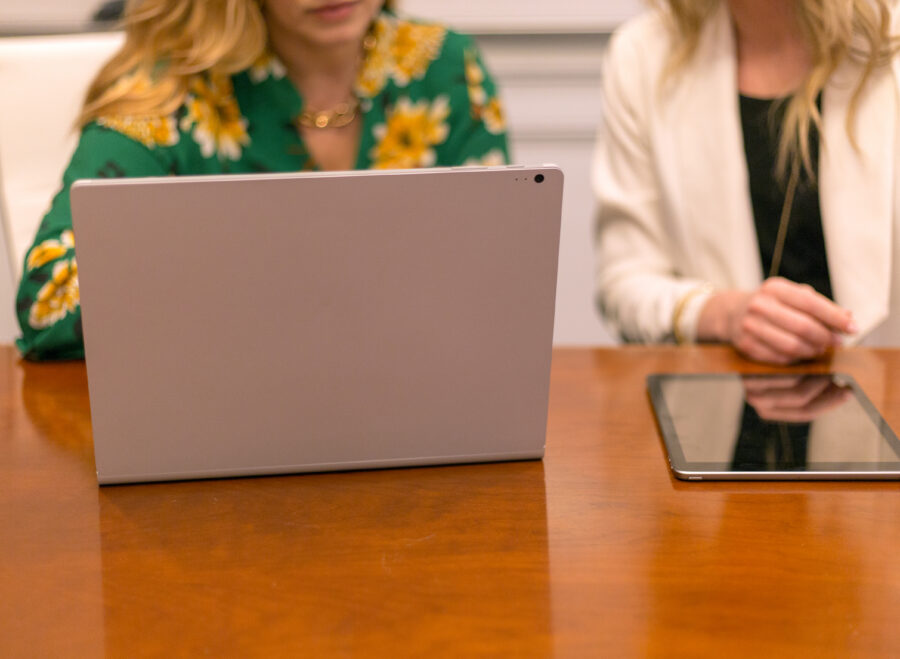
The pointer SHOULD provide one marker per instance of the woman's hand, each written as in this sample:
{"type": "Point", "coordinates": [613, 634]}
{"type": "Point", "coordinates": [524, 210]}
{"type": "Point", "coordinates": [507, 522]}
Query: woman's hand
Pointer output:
{"type": "Point", "coordinates": [780, 322]}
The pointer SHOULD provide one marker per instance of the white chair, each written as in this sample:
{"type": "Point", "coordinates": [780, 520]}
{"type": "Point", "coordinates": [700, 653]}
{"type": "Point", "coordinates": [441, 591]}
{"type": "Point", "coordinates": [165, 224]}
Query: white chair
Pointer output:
{"type": "Point", "coordinates": [8, 328]}
{"type": "Point", "coordinates": [44, 80]}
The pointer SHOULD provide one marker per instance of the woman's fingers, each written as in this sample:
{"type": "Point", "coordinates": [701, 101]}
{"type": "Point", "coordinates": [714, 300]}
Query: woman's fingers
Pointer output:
{"type": "Point", "coordinates": [816, 306]}
{"type": "Point", "coordinates": [779, 323]}
{"type": "Point", "coordinates": [809, 330]}
{"type": "Point", "coordinates": [783, 322]}
{"type": "Point", "coordinates": [770, 329]}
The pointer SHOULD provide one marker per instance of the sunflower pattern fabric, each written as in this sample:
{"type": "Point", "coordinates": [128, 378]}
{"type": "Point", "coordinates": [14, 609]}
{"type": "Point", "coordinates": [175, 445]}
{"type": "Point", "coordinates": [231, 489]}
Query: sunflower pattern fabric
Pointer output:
{"type": "Point", "coordinates": [425, 98]}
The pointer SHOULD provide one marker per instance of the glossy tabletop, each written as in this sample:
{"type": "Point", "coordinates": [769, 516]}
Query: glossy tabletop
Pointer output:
{"type": "Point", "coordinates": [596, 551]}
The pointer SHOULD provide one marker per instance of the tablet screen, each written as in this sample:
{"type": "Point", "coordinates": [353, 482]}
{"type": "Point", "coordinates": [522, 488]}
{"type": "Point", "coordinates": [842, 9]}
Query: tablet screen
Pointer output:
{"type": "Point", "coordinates": [767, 426]}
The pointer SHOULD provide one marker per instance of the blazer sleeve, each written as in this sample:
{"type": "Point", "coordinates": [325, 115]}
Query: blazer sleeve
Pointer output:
{"type": "Point", "coordinates": [638, 286]}
{"type": "Point", "coordinates": [48, 303]}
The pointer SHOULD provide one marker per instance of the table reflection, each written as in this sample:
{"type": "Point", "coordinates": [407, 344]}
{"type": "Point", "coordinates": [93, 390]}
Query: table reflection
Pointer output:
{"type": "Point", "coordinates": [361, 562]}
{"type": "Point", "coordinates": [56, 402]}
{"type": "Point", "coordinates": [770, 566]}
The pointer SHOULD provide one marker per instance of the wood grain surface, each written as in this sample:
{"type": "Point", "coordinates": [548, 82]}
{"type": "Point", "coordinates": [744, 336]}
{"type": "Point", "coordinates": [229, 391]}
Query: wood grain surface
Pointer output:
{"type": "Point", "coordinates": [596, 551]}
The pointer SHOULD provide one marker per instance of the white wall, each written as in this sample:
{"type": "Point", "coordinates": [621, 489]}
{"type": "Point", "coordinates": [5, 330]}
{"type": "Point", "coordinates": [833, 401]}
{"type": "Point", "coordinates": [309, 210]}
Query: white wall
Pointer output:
{"type": "Point", "coordinates": [526, 16]}
{"type": "Point", "coordinates": [476, 16]}
{"type": "Point", "coordinates": [49, 15]}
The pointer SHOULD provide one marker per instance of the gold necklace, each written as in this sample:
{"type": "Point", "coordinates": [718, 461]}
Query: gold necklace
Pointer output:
{"type": "Point", "coordinates": [339, 116]}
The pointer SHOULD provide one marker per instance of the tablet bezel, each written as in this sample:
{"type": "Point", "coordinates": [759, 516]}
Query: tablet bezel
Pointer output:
{"type": "Point", "coordinates": [695, 471]}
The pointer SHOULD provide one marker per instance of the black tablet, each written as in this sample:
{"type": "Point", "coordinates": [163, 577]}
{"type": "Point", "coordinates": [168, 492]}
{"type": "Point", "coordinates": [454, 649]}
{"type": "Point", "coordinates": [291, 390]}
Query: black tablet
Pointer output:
{"type": "Point", "coordinates": [772, 427]}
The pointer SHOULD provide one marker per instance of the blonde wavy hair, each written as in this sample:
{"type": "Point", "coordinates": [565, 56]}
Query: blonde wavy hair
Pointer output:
{"type": "Point", "coordinates": [167, 42]}
{"type": "Point", "coordinates": [834, 31]}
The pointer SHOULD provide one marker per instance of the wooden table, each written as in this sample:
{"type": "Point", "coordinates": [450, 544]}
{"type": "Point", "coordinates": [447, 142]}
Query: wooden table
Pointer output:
{"type": "Point", "coordinates": [595, 552]}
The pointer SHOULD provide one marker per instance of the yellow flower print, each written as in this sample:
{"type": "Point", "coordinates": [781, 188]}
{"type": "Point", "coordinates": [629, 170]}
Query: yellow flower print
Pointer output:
{"type": "Point", "coordinates": [475, 80]}
{"type": "Point", "coordinates": [415, 47]}
{"type": "Point", "coordinates": [57, 297]}
{"type": "Point", "coordinates": [406, 139]}
{"type": "Point", "coordinates": [267, 66]}
{"type": "Point", "coordinates": [151, 131]}
{"type": "Point", "coordinates": [493, 158]}
{"type": "Point", "coordinates": [403, 52]}
{"type": "Point", "coordinates": [493, 117]}
{"type": "Point", "coordinates": [215, 117]}
{"type": "Point", "coordinates": [488, 111]}
{"type": "Point", "coordinates": [50, 250]}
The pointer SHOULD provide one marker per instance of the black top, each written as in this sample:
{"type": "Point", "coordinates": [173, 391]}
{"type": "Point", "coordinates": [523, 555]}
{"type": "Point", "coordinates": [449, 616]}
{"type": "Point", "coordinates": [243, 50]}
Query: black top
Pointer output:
{"type": "Point", "coordinates": [803, 258]}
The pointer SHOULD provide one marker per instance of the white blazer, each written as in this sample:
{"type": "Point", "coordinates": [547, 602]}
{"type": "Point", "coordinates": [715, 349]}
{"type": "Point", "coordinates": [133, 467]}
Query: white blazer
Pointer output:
{"type": "Point", "coordinates": [671, 181]}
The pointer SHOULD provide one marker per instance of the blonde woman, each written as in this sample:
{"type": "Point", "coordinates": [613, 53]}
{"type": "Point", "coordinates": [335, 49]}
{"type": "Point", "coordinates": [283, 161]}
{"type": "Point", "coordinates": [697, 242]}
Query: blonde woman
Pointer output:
{"type": "Point", "coordinates": [220, 86]}
{"type": "Point", "coordinates": [748, 176]}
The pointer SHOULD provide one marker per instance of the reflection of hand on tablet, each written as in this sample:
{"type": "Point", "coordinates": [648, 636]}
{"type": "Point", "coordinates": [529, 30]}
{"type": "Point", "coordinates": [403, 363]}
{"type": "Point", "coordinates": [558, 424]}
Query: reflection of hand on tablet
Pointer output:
{"type": "Point", "coordinates": [794, 399]}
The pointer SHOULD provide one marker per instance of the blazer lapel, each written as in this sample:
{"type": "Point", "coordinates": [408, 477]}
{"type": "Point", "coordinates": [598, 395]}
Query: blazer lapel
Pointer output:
{"type": "Point", "coordinates": [856, 192]}
{"type": "Point", "coordinates": [706, 166]}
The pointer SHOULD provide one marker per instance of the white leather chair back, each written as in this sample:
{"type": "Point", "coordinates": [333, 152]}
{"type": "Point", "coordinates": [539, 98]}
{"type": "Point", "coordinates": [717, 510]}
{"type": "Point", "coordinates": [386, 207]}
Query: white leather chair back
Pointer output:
{"type": "Point", "coordinates": [8, 328]}
{"type": "Point", "coordinates": [43, 81]}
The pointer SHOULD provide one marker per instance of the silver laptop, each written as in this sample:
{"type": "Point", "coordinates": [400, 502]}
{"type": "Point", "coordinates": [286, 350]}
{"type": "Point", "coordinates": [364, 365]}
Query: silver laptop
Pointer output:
{"type": "Point", "coordinates": [261, 324]}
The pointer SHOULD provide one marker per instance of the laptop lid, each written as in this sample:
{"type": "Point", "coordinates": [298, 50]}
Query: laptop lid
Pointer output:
{"type": "Point", "coordinates": [259, 324]}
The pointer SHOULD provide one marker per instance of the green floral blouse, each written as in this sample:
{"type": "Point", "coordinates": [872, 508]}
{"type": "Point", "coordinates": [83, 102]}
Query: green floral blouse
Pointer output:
{"type": "Point", "coordinates": [425, 98]}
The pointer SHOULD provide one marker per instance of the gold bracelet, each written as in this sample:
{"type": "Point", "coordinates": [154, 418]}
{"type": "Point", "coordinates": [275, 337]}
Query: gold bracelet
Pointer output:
{"type": "Point", "coordinates": [681, 305]}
